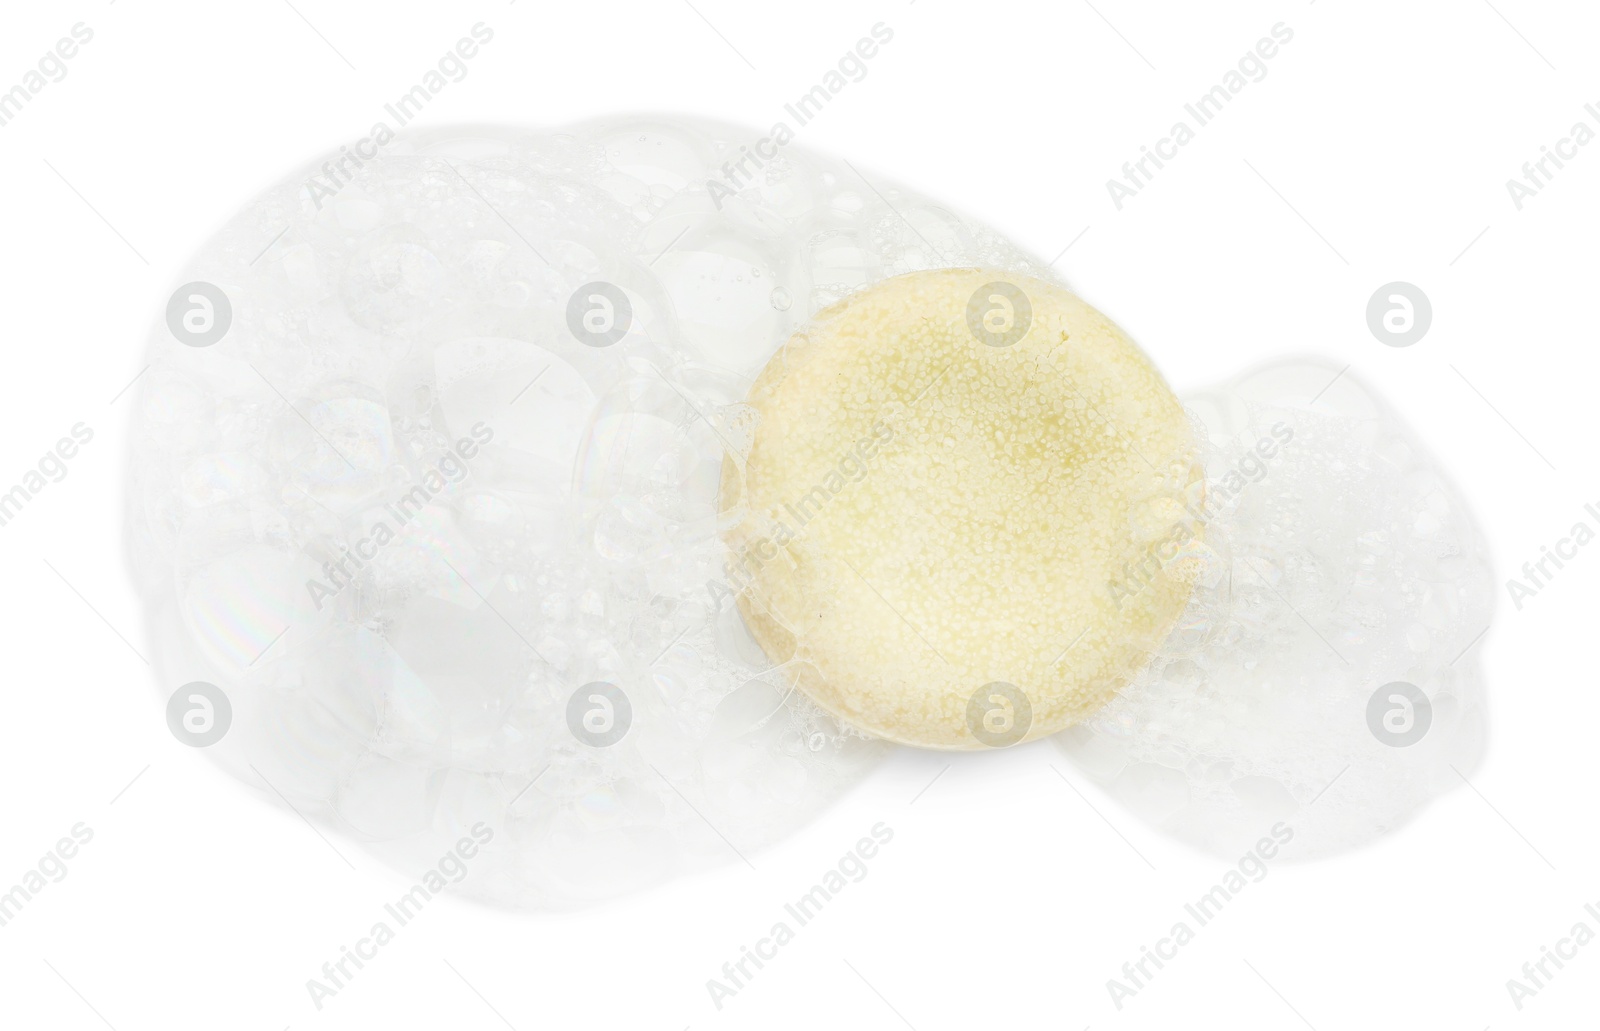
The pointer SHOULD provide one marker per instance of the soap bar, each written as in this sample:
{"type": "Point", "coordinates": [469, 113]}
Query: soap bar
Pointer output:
{"type": "Point", "coordinates": [962, 517]}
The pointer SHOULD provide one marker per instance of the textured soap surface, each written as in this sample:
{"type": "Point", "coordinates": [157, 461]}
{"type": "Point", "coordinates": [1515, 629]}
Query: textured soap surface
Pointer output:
{"type": "Point", "coordinates": [1325, 674]}
{"type": "Point", "coordinates": [948, 470]}
{"type": "Point", "coordinates": [456, 459]}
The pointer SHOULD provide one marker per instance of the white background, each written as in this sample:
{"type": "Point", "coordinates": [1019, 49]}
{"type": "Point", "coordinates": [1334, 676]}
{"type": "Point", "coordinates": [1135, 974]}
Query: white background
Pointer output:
{"type": "Point", "coordinates": [1005, 900]}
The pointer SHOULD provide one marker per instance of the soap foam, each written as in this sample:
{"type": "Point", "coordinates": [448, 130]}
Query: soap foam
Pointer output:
{"type": "Point", "coordinates": [1341, 564]}
{"type": "Point", "coordinates": [518, 514]}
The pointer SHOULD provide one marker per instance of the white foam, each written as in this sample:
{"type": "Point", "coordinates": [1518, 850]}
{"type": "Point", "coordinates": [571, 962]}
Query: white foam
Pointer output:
{"type": "Point", "coordinates": [1341, 561]}
{"type": "Point", "coordinates": [429, 297]}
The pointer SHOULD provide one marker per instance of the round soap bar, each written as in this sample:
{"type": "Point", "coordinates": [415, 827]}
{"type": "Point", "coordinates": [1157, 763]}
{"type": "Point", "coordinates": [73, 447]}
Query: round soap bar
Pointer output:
{"type": "Point", "coordinates": [963, 515]}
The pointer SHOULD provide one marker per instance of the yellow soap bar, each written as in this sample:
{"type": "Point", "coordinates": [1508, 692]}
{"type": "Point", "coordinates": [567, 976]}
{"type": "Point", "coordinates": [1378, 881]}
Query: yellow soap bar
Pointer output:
{"type": "Point", "coordinates": [957, 520]}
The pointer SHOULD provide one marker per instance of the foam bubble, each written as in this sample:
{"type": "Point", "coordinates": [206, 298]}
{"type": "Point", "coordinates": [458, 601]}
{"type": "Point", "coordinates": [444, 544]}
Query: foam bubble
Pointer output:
{"type": "Point", "coordinates": [1325, 679]}
{"type": "Point", "coordinates": [455, 462]}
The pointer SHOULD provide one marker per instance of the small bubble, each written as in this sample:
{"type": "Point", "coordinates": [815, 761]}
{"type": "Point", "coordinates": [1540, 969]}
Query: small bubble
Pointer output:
{"type": "Point", "coordinates": [781, 299]}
